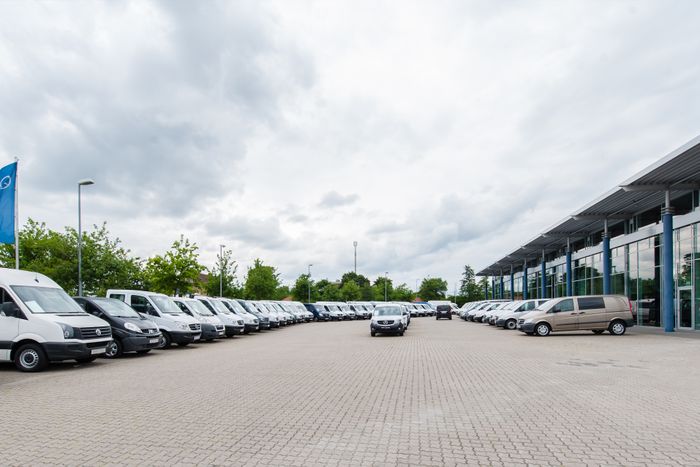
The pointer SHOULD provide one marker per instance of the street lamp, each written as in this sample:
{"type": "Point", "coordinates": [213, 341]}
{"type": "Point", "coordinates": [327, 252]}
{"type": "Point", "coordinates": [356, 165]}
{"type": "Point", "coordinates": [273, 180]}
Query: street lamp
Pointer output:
{"type": "Point", "coordinates": [308, 282]}
{"type": "Point", "coordinates": [221, 270]}
{"type": "Point", "coordinates": [355, 245]}
{"type": "Point", "coordinates": [81, 183]}
{"type": "Point", "coordinates": [386, 279]}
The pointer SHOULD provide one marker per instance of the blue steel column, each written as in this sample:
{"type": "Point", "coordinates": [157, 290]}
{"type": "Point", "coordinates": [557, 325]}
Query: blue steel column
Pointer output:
{"type": "Point", "coordinates": [486, 289]}
{"type": "Point", "coordinates": [493, 288]}
{"type": "Point", "coordinates": [502, 288]}
{"type": "Point", "coordinates": [525, 280]}
{"type": "Point", "coordinates": [543, 278]}
{"type": "Point", "coordinates": [569, 278]}
{"type": "Point", "coordinates": [606, 260]}
{"type": "Point", "coordinates": [667, 266]}
{"type": "Point", "coordinates": [512, 283]}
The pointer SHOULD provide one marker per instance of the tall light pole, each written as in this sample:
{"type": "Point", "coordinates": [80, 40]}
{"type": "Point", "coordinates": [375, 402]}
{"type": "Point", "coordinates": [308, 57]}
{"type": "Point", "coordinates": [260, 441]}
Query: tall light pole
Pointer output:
{"type": "Point", "coordinates": [221, 270]}
{"type": "Point", "coordinates": [81, 183]}
{"type": "Point", "coordinates": [308, 282]}
{"type": "Point", "coordinates": [386, 279]}
{"type": "Point", "coordinates": [355, 245]}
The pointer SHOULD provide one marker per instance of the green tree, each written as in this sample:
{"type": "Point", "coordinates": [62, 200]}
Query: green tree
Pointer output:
{"type": "Point", "coordinates": [300, 291]}
{"type": "Point", "coordinates": [229, 267]}
{"type": "Point", "coordinates": [282, 292]}
{"type": "Point", "coordinates": [328, 291]}
{"type": "Point", "coordinates": [403, 294]}
{"type": "Point", "coordinates": [106, 264]}
{"type": "Point", "coordinates": [177, 271]}
{"type": "Point", "coordinates": [358, 279]}
{"type": "Point", "coordinates": [350, 291]}
{"type": "Point", "coordinates": [469, 289]}
{"type": "Point", "coordinates": [379, 289]}
{"type": "Point", "coordinates": [261, 282]}
{"type": "Point", "coordinates": [433, 288]}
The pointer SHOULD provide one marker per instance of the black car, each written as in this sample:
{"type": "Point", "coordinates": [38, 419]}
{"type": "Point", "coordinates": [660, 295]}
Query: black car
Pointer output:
{"type": "Point", "coordinates": [443, 311]}
{"type": "Point", "coordinates": [320, 313]}
{"type": "Point", "coordinates": [131, 332]}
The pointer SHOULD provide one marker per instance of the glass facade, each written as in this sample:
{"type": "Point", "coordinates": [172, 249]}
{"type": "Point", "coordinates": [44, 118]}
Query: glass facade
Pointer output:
{"type": "Point", "coordinates": [635, 271]}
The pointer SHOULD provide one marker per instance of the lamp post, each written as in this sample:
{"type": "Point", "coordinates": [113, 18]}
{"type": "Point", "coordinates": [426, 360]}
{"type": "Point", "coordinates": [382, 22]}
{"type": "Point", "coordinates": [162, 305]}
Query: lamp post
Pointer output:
{"type": "Point", "coordinates": [81, 183]}
{"type": "Point", "coordinates": [386, 279]}
{"type": "Point", "coordinates": [355, 245]}
{"type": "Point", "coordinates": [308, 282]}
{"type": "Point", "coordinates": [221, 270]}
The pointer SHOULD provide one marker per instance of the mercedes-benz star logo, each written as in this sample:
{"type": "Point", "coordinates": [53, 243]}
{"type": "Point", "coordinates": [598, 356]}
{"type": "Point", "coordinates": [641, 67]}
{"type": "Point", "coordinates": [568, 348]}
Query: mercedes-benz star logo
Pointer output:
{"type": "Point", "coordinates": [98, 332]}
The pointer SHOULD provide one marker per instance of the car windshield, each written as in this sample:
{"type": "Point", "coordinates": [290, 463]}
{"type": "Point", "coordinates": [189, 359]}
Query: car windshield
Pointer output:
{"type": "Point", "coordinates": [237, 307]}
{"type": "Point", "coordinates": [220, 307]}
{"type": "Point", "coordinates": [199, 308]}
{"type": "Point", "coordinates": [166, 305]}
{"type": "Point", "coordinates": [46, 299]}
{"type": "Point", "coordinates": [387, 311]}
{"type": "Point", "coordinates": [116, 308]}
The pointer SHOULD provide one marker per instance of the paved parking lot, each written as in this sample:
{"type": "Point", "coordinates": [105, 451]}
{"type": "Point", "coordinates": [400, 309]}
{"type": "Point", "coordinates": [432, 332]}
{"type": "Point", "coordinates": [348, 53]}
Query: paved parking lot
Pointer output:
{"type": "Point", "coordinates": [447, 393]}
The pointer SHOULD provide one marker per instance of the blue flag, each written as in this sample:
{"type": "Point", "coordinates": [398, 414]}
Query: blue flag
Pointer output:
{"type": "Point", "coordinates": [8, 178]}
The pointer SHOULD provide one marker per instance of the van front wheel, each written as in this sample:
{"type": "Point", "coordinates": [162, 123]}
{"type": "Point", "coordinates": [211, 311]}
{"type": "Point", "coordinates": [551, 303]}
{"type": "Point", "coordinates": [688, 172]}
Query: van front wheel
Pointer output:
{"type": "Point", "coordinates": [30, 358]}
{"type": "Point", "coordinates": [543, 329]}
{"type": "Point", "coordinates": [165, 340]}
{"type": "Point", "coordinates": [617, 328]}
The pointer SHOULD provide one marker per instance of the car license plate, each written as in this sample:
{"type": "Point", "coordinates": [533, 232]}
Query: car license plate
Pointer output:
{"type": "Point", "coordinates": [152, 341]}
{"type": "Point", "coordinates": [97, 351]}
{"type": "Point", "coordinates": [386, 327]}
{"type": "Point", "coordinates": [197, 337]}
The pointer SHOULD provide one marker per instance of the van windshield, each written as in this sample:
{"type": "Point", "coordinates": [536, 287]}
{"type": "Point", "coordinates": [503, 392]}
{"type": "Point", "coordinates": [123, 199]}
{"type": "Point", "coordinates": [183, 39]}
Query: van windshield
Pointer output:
{"type": "Point", "coordinates": [199, 308]}
{"type": "Point", "coordinates": [387, 311]}
{"type": "Point", "coordinates": [116, 308]}
{"type": "Point", "coordinates": [166, 305]}
{"type": "Point", "coordinates": [237, 307]}
{"type": "Point", "coordinates": [46, 300]}
{"type": "Point", "coordinates": [220, 307]}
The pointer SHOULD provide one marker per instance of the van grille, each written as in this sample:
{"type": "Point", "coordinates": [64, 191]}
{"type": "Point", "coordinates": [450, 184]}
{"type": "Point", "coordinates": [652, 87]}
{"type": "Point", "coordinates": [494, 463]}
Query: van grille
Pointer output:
{"type": "Point", "coordinates": [240, 322]}
{"type": "Point", "coordinates": [196, 327]}
{"type": "Point", "coordinates": [521, 321]}
{"type": "Point", "coordinates": [219, 327]}
{"type": "Point", "coordinates": [385, 322]}
{"type": "Point", "coordinates": [99, 332]}
{"type": "Point", "coordinates": [150, 331]}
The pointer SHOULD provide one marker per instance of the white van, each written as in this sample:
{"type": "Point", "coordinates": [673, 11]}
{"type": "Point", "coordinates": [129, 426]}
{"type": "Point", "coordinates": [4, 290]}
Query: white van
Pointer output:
{"type": "Point", "coordinates": [40, 323]}
{"type": "Point", "coordinates": [174, 325]}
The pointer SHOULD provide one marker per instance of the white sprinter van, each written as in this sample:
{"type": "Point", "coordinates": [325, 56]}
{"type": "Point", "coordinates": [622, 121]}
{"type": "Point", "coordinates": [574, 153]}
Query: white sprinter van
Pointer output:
{"type": "Point", "coordinates": [174, 325]}
{"type": "Point", "coordinates": [40, 323]}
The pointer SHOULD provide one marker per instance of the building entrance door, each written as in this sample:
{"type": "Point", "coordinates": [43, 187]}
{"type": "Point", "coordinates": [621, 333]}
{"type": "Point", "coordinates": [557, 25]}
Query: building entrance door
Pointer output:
{"type": "Point", "coordinates": [684, 312]}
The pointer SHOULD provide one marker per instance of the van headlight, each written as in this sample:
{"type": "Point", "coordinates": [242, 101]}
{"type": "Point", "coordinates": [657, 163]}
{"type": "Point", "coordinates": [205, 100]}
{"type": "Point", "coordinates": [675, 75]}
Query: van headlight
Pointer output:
{"type": "Point", "coordinates": [132, 327]}
{"type": "Point", "coordinates": [528, 321]}
{"type": "Point", "coordinates": [68, 331]}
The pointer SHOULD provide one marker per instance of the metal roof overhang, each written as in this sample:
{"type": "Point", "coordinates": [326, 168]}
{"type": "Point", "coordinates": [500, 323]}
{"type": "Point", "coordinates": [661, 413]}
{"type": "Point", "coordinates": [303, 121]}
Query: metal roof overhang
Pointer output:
{"type": "Point", "coordinates": [679, 172]}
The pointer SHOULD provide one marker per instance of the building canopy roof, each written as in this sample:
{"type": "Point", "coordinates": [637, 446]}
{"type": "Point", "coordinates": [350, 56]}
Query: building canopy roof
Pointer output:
{"type": "Point", "coordinates": [678, 172]}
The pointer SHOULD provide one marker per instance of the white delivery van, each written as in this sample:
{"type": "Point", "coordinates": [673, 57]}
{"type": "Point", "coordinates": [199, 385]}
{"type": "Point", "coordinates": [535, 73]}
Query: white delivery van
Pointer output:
{"type": "Point", "coordinates": [174, 325]}
{"type": "Point", "coordinates": [40, 323]}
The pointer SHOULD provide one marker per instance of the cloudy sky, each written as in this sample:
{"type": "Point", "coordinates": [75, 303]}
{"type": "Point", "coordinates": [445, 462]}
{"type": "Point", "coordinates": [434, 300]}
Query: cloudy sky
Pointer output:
{"type": "Point", "coordinates": [435, 134]}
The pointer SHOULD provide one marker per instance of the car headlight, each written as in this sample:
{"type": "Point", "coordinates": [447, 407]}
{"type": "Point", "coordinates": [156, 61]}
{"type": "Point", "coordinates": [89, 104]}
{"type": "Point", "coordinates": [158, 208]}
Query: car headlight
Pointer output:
{"type": "Point", "coordinates": [132, 327]}
{"type": "Point", "coordinates": [68, 331]}
{"type": "Point", "coordinates": [184, 326]}
{"type": "Point", "coordinates": [528, 321]}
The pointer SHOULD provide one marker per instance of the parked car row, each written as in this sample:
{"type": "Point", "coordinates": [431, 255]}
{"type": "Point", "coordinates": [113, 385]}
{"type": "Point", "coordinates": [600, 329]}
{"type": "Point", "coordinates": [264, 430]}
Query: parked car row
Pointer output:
{"type": "Point", "coordinates": [338, 311]}
{"type": "Point", "coordinates": [596, 313]}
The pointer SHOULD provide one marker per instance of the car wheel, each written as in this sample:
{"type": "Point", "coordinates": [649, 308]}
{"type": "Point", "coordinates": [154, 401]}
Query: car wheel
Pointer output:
{"type": "Point", "coordinates": [617, 328]}
{"type": "Point", "coordinates": [142, 352]}
{"type": "Point", "coordinates": [543, 329]}
{"type": "Point", "coordinates": [450, 318]}
{"type": "Point", "coordinates": [373, 333]}
{"type": "Point", "coordinates": [511, 324]}
{"type": "Point", "coordinates": [30, 358]}
{"type": "Point", "coordinates": [165, 340]}
{"type": "Point", "coordinates": [114, 349]}
{"type": "Point", "coordinates": [436, 318]}
{"type": "Point", "coordinates": [597, 331]}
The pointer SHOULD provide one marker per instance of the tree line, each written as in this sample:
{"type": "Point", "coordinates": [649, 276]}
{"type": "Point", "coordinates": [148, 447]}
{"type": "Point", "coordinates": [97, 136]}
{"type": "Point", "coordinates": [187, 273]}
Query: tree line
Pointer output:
{"type": "Point", "coordinates": [108, 264]}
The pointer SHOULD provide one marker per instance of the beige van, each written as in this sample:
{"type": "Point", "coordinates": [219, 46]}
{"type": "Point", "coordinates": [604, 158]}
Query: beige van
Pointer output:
{"type": "Point", "coordinates": [596, 313]}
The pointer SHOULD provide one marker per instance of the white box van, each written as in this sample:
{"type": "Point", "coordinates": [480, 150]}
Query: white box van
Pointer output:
{"type": "Point", "coordinates": [40, 323]}
{"type": "Point", "coordinates": [174, 325]}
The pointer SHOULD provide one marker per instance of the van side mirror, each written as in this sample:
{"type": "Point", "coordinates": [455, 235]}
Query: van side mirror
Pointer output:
{"type": "Point", "coordinates": [10, 309]}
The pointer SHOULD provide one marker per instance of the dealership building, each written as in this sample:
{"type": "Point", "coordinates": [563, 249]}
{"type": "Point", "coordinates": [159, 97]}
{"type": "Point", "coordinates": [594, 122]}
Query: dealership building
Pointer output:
{"type": "Point", "coordinates": [640, 239]}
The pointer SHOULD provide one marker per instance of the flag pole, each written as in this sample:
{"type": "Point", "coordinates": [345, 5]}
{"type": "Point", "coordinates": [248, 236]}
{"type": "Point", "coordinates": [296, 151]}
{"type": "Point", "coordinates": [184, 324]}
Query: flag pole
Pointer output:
{"type": "Point", "coordinates": [16, 215]}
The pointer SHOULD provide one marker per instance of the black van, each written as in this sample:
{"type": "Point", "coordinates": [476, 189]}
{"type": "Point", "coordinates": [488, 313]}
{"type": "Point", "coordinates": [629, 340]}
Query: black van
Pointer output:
{"type": "Point", "coordinates": [131, 332]}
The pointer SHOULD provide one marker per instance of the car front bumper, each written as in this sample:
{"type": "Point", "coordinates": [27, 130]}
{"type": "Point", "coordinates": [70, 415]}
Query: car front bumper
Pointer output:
{"type": "Point", "coordinates": [137, 343]}
{"type": "Point", "coordinates": [57, 351]}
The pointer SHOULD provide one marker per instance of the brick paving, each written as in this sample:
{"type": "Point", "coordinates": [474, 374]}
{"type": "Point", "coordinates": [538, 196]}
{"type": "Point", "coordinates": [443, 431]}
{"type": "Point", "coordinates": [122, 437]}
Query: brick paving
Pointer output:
{"type": "Point", "coordinates": [447, 393]}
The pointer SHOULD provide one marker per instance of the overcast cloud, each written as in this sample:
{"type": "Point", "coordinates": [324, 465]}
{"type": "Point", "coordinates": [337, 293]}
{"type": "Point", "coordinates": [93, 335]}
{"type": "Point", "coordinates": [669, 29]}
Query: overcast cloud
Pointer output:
{"type": "Point", "coordinates": [436, 134]}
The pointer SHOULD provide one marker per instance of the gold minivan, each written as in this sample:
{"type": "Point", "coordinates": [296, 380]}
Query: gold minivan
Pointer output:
{"type": "Point", "coordinates": [597, 313]}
